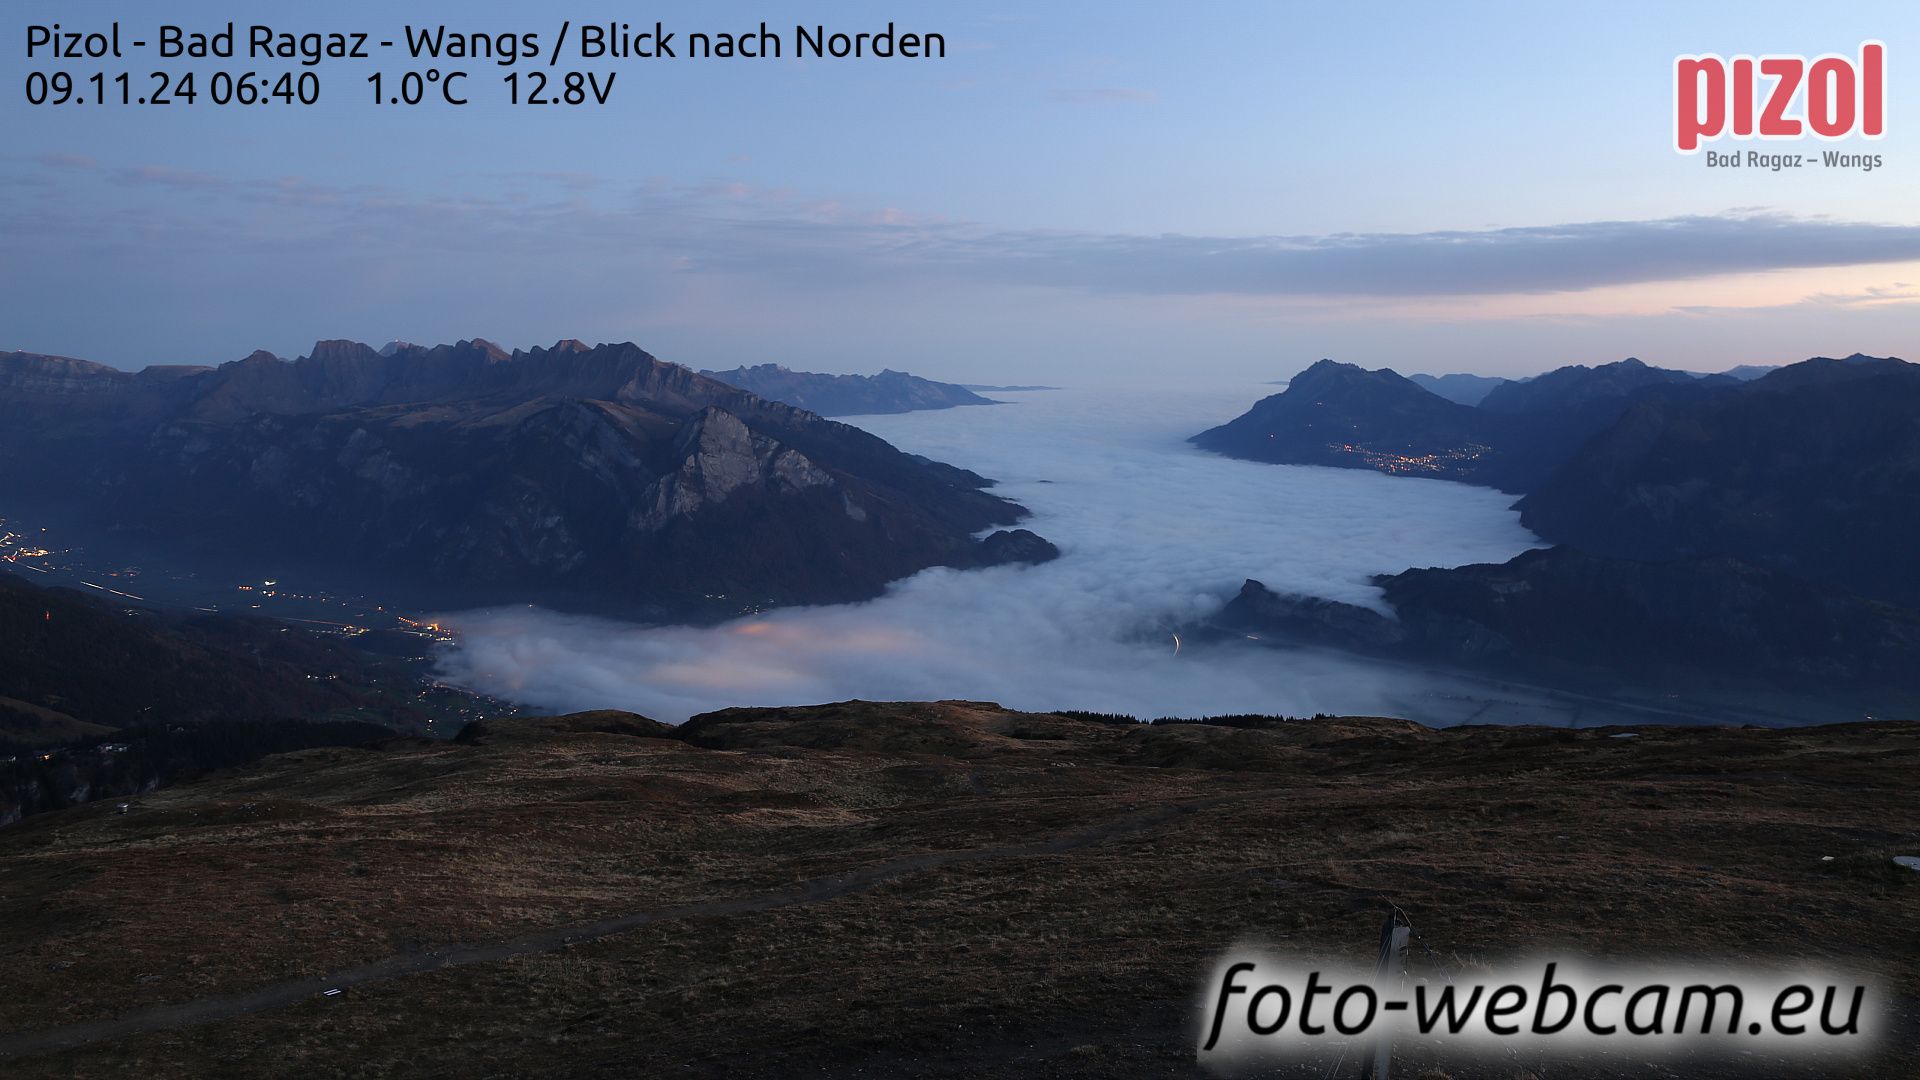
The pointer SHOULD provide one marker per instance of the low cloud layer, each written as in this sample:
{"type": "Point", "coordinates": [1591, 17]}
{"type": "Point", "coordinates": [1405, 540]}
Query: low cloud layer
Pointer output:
{"type": "Point", "coordinates": [1154, 534]}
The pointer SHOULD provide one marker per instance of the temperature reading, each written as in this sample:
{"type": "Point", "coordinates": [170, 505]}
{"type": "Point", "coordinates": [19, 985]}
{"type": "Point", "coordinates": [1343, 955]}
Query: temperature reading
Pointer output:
{"type": "Point", "coordinates": [415, 87]}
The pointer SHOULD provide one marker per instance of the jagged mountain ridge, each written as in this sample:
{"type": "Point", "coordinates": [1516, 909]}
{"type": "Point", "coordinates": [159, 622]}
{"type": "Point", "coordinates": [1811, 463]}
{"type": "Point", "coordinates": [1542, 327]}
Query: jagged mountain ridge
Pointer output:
{"type": "Point", "coordinates": [595, 478]}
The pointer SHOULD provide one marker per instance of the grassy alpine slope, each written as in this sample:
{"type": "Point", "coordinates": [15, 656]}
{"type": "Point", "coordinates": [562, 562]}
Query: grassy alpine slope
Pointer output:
{"type": "Point", "coordinates": [944, 889]}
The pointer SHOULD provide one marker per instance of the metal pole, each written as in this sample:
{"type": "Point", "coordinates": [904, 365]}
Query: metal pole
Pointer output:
{"type": "Point", "coordinates": [1391, 965]}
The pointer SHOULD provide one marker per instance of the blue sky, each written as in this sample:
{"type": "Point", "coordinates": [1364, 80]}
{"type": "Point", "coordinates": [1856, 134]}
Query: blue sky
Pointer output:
{"type": "Point", "coordinates": [1077, 192]}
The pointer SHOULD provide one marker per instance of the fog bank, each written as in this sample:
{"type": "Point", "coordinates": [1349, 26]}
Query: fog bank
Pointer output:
{"type": "Point", "coordinates": [1153, 534]}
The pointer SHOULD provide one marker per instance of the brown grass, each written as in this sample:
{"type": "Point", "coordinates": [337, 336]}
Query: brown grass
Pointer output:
{"type": "Point", "coordinates": [1704, 843]}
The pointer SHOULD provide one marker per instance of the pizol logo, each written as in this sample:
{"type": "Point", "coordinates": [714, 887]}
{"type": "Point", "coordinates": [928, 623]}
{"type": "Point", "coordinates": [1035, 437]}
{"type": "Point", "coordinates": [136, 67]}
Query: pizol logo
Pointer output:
{"type": "Point", "coordinates": [1779, 97]}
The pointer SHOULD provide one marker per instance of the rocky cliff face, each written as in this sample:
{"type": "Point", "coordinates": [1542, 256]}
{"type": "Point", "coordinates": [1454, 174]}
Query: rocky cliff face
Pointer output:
{"type": "Point", "coordinates": [719, 455]}
{"type": "Point", "coordinates": [585, 477]}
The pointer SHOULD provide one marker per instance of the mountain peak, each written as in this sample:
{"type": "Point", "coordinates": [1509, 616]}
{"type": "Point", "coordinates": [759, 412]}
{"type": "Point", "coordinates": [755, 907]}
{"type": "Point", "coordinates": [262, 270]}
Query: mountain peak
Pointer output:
{"type": "Point", "coordinates": [1325, 364]}
{"type": "Point", "coordinates": [1333, 371]}
{"type": "Point", "coordinates": [335, 350]}
{"type": "Point", "coordinates": [492, 352]}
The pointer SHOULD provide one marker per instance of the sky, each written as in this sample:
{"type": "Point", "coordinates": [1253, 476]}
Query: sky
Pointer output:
{"type": "Point", "coordinates": [1076, 193]}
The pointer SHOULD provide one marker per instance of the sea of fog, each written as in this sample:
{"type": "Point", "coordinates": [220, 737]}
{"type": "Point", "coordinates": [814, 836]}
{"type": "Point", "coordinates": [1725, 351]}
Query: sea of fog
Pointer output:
{"type": "Point", "coordinates": [1153, 534]}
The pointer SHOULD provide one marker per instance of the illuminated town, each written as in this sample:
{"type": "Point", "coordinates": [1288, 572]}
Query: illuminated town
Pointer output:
{"type": "Point", "coordinates": [40, 551]}
{"type": "Point", "coordinates": [1439, 461]}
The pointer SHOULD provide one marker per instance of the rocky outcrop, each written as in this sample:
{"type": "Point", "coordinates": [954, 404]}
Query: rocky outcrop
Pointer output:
{"type": "Point", "coordinates": [1016, 546]}
{"type": "Point", "coordinates": [1311, 619]}
{"type": "Point", "coordinates": [719, 455]}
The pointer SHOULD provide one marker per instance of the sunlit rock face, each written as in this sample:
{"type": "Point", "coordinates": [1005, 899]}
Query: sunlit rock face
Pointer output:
{"type": "Point", "coordinates": [589, 478]}
{"type": "Point", "coordinates": [719, 456]}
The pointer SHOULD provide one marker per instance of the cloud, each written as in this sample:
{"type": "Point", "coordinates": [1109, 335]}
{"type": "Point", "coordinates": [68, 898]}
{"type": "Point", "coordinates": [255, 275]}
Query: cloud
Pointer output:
{"type": "Point", "coordinates": [1866, 296]}
{"type": "Point", "coordinates": [1154, 533]}
{"type": "Point", "coordinates": [1536, 259]}
{"type": "Point", "coordinates": [168, 176]}
{"type": "Point", "coordinates": [207, 266]}
{"type": "Point", "coordinates": [782, 236]}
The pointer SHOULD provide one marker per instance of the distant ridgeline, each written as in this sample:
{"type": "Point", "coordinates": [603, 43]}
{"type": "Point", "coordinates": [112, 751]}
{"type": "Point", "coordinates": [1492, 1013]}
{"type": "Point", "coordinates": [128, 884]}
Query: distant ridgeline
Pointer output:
{"type": "Point", "coordinates": [848, 395]}
{"type": "Point", "coordinates": [586, 478]}
{"type": "Point", "coordinates": [1786, 502]}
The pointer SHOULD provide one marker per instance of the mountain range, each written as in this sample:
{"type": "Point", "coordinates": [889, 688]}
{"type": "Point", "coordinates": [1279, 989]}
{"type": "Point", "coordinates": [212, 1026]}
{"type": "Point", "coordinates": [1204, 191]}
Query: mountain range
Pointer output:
{"type": "Point", "coordinates": [1812, 470]}
{"type": "Point", "coordinates": [584, 477]}
{"type": "Point", "coordinates": [1558, 616]}
{"type": "Point", "coordinates": [1343, 415]}
{"type": "Point", "coordinates": [1708, 530]}
{"type": "Point", "coordinates": [1459, 388]}
{"type": "Point", "coordinates": [1468, 389]}
{"type": "Point", "coordinates": [848, 395]}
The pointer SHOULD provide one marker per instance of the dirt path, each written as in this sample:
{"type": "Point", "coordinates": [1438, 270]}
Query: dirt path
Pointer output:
{"type": "Point", "coordinates": [812, 891]}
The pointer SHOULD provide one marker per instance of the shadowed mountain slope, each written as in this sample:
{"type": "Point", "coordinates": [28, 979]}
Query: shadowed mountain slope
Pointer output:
{"type": "Point", "coordinates": [595, 478]}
